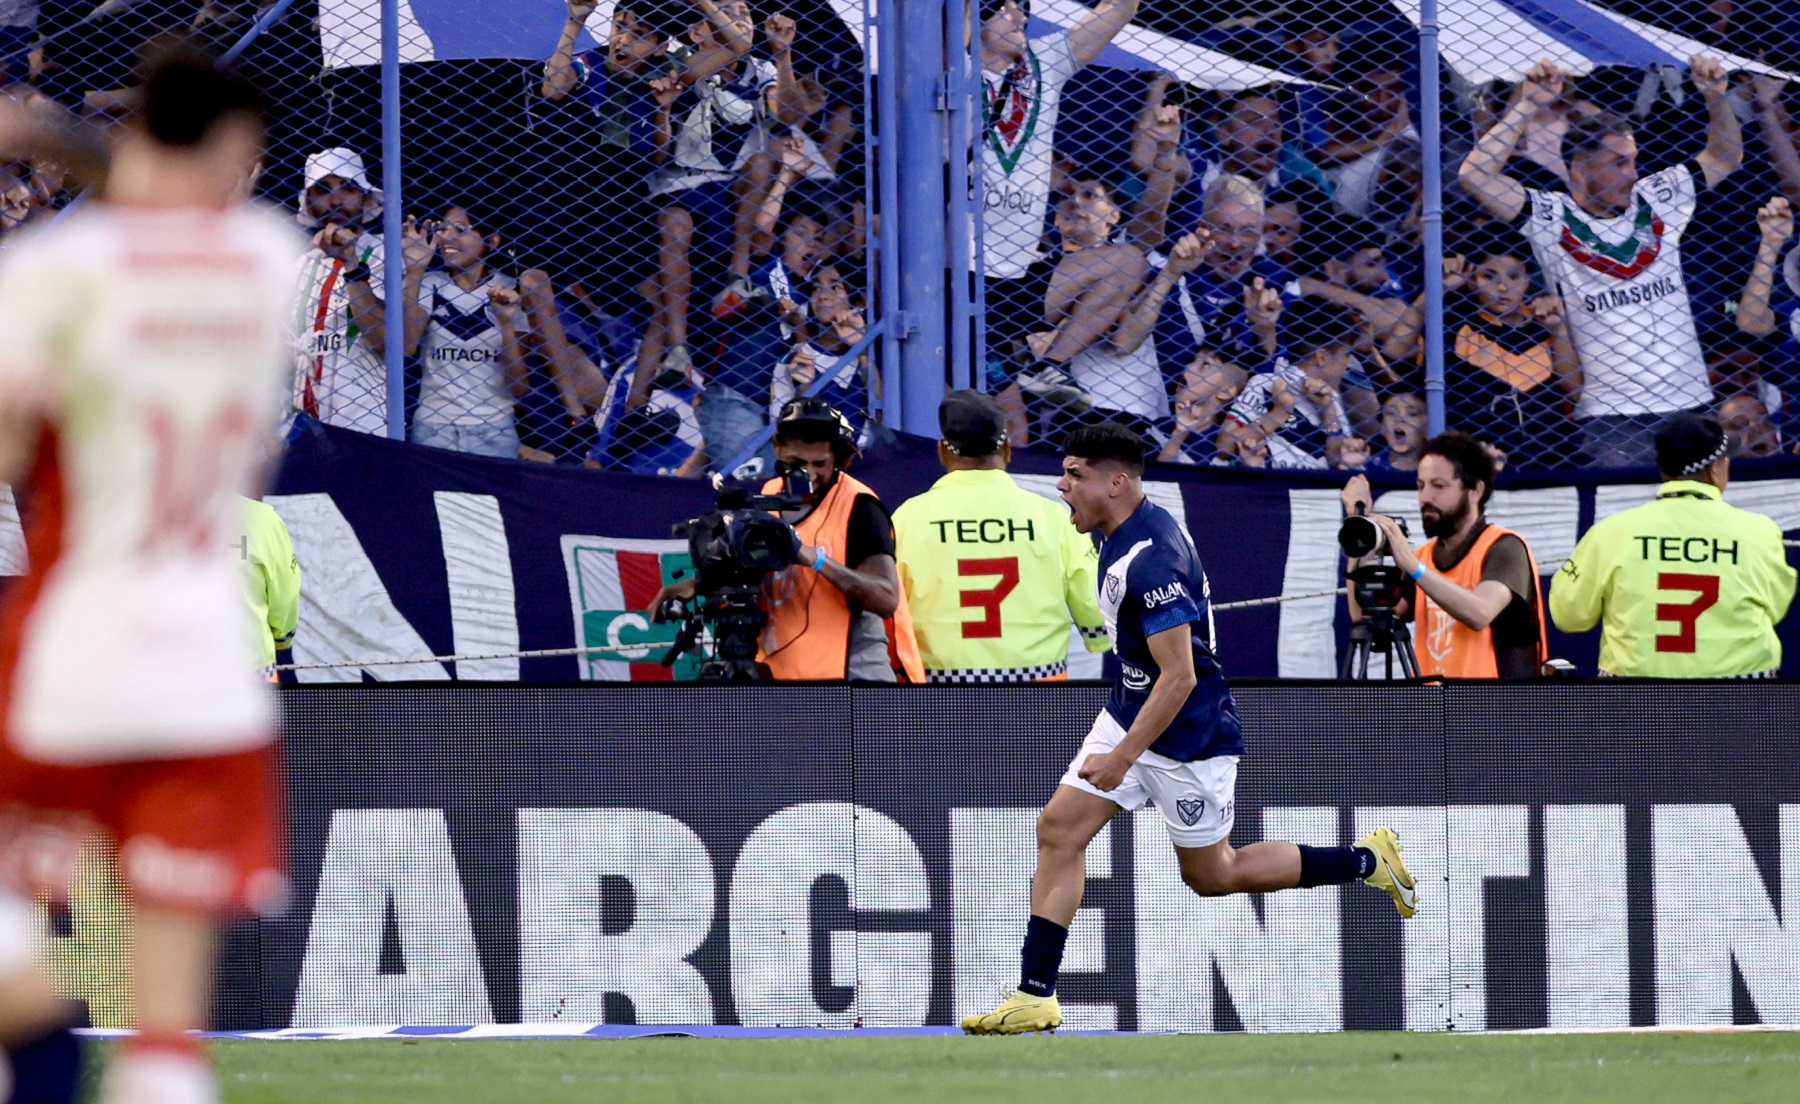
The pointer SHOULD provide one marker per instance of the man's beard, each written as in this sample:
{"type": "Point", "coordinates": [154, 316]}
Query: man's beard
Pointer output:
{"type": "Point", "coordinates": [1446, 524]}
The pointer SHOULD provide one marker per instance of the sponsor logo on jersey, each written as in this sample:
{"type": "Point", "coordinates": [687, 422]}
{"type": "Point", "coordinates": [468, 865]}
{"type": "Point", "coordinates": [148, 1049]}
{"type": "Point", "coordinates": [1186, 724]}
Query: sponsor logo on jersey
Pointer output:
{"type": "Point", "coordinates": [1135, 678]}
{"type": "Point", "coordinates": [1660, 288]}
{"type": "Point", "coordinates": [481, 356]}
{"type": "Point", "coordinates": [1163, 595]}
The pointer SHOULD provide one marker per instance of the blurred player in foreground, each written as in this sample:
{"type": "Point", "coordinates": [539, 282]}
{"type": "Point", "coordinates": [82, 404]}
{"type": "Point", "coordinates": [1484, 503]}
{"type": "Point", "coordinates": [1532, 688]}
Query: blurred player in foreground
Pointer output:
{"type": "Point", "coordinates": [143, 344]}
{"type": "Point", "coordinates": [1170, 733]}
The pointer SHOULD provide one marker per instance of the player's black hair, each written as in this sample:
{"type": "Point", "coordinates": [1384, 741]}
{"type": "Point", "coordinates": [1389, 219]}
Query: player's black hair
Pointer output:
{"type": "Point", "coordinates": [1107, 443]}
{"type": "Point", "coordinates": [1470, 461]}
{"type": "Point", "coordinates": [186, 92]}
{"type": "Point", "coordinates": [1318, 325]}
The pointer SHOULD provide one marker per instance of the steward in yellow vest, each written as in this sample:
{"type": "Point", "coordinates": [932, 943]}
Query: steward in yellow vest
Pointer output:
{"type": "Point", "coordinates": [994, 574]}
{"type": "Point", "coordinates": [840, 611]}
{"type": "Point", "coordinates": [1478, 603]}
{"type": "Point", "coordinates": [1686, 585]}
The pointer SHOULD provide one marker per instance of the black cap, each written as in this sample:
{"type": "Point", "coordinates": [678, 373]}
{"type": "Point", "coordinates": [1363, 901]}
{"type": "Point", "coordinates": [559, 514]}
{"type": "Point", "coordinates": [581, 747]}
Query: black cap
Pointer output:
{"type": "Point", "coordinates": [973, 425]}
{"type": "Point", "coordinates": [1687, 443]}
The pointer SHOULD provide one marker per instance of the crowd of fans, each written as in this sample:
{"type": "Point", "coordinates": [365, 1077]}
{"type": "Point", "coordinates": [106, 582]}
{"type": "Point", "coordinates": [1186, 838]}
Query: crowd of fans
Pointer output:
{"type": "Point", "coordinates": [1237, 274]}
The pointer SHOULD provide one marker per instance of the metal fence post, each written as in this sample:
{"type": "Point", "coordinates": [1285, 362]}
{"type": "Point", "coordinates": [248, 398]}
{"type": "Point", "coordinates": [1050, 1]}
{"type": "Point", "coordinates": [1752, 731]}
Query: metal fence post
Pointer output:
{"type": "Point", "coordinates": [921, 135]}
{"type": "Point", "coordinates": [878, 84]}
{"type": "Point", "coordinates": [1431, 211]}
{"type": "Point", "coordinates": [393, 250]}
{"type": "Point", "coordinates": [957, 107]}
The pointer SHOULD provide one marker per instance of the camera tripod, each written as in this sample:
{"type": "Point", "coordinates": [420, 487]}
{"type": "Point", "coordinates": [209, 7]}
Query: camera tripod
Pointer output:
{"type": "Point", "coordinates": [737, 622]}
{"type": "Point", "coordinates": [1377, 589]}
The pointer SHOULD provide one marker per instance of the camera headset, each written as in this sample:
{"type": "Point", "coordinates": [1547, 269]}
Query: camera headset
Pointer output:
{"type": "Point", "coordinates": [821, 413]}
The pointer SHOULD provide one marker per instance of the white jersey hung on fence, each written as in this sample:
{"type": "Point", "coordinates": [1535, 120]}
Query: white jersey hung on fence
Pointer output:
{"type": "Point", "coordinates": [1019, 109]}
{"type": "Point", "coordinates": [156, 342]}
{"type": "Point", "coordinates": [338, 378]}
{"type": "Point", "coordinates": [464, 380]}
{"type": "Point", "coordinates": [1622, 291]}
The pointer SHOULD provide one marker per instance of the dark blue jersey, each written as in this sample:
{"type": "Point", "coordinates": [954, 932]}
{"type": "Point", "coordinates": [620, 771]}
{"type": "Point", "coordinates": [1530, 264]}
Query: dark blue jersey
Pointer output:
{"type": "Point", "coordinates": [1151, 581]}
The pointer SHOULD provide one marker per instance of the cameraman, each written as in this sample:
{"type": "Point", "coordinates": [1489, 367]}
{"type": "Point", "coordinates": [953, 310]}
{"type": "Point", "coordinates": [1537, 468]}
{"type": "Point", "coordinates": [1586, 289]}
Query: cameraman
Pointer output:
{"type": "Point", "coordinates": [1483, 601]}
{"type": "Point", "coordinates": [838, 612]}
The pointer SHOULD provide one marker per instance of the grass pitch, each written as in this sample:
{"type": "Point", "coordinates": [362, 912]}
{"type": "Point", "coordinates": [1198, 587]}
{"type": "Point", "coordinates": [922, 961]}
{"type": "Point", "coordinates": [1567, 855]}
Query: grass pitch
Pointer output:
{"type": "Point", "coordinates": [1339, 1069]}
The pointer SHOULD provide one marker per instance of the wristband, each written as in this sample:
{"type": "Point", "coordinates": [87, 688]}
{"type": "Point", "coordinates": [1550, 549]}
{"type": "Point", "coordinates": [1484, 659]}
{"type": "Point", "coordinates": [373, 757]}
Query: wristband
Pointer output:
{"type": "Point", "coordinates": [818, 559]}
{"type": "Point", "coordinates": [1418, 572]}
{"type": "Point", "coordinates": [352, 273]}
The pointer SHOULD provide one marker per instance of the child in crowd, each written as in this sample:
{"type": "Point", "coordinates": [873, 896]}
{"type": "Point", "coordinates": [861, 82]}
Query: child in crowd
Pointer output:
{"type": "Point", "coordinates": [1300, 403]}
{"type": "Point", "coordinates": [1208, 385]}
{"type": "Point", "coordinates": [835, 324]}
{"type": "Point", "coordinates": [472, 360]}
{"type": "Point", "coordinates": [1511, 373]}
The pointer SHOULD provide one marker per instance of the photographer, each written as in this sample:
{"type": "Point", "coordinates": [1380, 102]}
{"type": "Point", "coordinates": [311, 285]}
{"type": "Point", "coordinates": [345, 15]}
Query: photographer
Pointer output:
{"type": "Point", "coordinates": [1483, 601]}
{"type": "Point", "coordinates": [838, 610]}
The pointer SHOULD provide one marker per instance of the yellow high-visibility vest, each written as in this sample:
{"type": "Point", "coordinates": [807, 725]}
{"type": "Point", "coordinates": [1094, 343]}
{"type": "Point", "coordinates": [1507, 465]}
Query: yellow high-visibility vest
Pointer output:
{"type": "Point", "coordinates": [1685, 586]}
{"type": "Point", "coordinates": [995, 575]}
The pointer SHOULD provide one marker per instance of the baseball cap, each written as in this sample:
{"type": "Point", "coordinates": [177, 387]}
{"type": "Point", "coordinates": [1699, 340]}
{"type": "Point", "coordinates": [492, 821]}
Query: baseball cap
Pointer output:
{"type": "Point", "coordinates": [973, 425]}
{"type": "Point", "coordinates": [1687, 442]}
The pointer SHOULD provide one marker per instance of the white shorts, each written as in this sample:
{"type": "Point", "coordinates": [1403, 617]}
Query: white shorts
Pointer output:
{"type": "Point", "coordinates": [1197, 799]}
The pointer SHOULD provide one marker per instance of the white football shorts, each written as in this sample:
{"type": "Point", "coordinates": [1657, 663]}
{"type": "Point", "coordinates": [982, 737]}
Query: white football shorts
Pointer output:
{"type": "Point", "coordinates": [1197, 799]}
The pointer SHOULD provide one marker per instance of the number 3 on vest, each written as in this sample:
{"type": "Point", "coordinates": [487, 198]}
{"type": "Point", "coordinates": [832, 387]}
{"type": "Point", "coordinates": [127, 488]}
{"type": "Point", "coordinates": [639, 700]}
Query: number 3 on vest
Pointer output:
{"type": "Point", "coordinates": [987, 599]}
{"type": "Point", "coordinates": [1685, 614]}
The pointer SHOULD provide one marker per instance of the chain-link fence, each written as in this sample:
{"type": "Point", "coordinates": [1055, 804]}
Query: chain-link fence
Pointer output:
{"type": "Point", "coordinates": [623, 232]}
{"type": "Point", "coordinates": [628, 232]}
{"type": "Point", "coordinates": [1233, 227]}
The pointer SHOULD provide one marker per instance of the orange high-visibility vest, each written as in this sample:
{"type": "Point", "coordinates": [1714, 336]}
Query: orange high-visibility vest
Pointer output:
{"type": "Point", "coordinates": [808, 634]}
{"type": "Point", "coordinates": [1447, 647]}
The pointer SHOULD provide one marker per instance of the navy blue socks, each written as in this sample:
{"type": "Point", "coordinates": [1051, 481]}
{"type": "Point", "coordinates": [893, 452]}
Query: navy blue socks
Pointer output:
{"type": "Point", "coordinates": [1334, 865]}
{"type": "Point", "coordinates": [1042, 956]}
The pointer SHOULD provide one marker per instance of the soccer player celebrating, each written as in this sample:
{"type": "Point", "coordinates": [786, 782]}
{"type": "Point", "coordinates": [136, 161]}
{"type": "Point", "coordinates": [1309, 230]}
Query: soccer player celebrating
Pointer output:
{"type": "Point", "coordinates": [1170, 733]}
{"type": "Point", "coordinates": [143, 340]}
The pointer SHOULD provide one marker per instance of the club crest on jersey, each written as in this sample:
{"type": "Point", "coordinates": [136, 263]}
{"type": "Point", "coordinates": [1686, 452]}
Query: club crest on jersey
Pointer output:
{"type": "Point", "coordinates": [1011, 112]}
{"type": "Point", "coordinates": [1622, 260]}
{"type": "Point", "coordinates": [1191, 809]}
{"type": "Point", "coordinates": [1115, 587]}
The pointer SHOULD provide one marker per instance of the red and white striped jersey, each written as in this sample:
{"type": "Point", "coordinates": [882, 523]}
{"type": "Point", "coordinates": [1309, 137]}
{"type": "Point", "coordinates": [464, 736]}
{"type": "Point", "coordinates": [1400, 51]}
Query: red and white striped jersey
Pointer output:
{"type": "Point", "coordinates": [155, 345]}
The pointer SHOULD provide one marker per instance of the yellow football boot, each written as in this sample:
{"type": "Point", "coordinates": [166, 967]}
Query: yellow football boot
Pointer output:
{"type": "Point", "coordinates": [1391, 875]}
{"type": "Point", "coordinates": [1018, 1014]}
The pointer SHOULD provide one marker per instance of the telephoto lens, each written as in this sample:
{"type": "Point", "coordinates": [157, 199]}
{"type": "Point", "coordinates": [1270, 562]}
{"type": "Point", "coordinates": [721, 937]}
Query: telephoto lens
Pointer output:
{"type": "Point", "coordinates": [1359, 536]}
